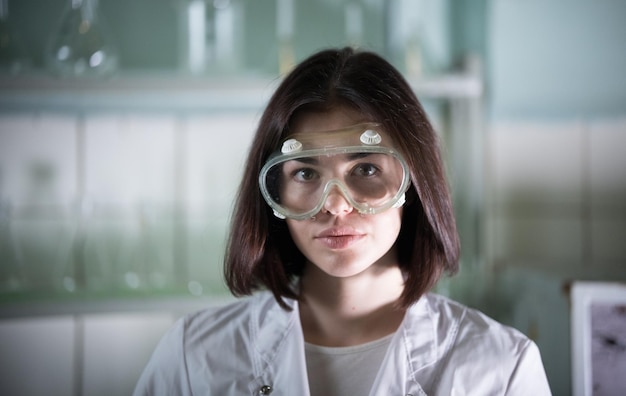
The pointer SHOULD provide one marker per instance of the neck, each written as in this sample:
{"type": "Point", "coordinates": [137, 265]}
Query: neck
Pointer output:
{"type": "Point", "coordinates": [345, 311]}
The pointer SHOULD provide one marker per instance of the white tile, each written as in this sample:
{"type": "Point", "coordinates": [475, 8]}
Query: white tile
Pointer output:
{"type": "Point", "coordinates": [608, 162]}
{"type": "Point", "coordinates": [112, 249]}
{"type": "Point", "coordinates": [607, 184]}
{"type": "Point", "coordinates": [130, 159]}
{"type": "Point", "coordinates": [37, 356]}
{"type": "Point", "coordinates": [117, 348]}
{"type": "Point", "coordinates": [38, 159]}
{"type": "Point", "coordinates": [608, 240]}
{"type": "Point", "coordinates": [130, 196]}
{"type": "Point", "coordinates": [43, 254]}
{"type": "Point", "coordinates": [38, 188]}
{"type": "Point", "coordinates": [205, 244]}
{"type": "Point", "coordinates": [535, 163]}
{"type": "Point", "coordinates": [538, 238]}
{"type": "Point", "coordinates": [216, 148]}
{"type": "Point", "coordinates": [129, 247]}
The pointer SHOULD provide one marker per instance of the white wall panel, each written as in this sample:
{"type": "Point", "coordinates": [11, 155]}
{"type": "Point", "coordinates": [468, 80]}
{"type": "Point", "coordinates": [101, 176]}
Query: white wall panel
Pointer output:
{"type": "Point", "coordinates": [38, 158]}
{"type": "Point", "coordinates": [558, 192]}
{"type": "Point", "coordinates": [541, 240]}
{"type": "Point", "coordinates": [608, 162]}
{"type": "Point", "coordinates": [117, 348]}
{"type": "Point", "coordinates": [130, 159]}
{"type": "Point", "coordinates": [37, 356]}
{"type": "Point", "coordinates": [130, 191]}
{"type": "Point", "coordinates": [608, 241]}
{"type": "Point", "coordinates": [607, 183]}
{"type": "Point", "coordinates": [536, 162]}
{"type": "Point", "coordinates": [215, 151]}
{"type": "Point", "coordinates": [38, 195]}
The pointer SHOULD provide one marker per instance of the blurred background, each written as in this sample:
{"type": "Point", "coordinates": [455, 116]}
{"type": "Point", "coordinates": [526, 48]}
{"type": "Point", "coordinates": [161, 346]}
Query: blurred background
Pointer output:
{"type": "Point", "coordinates": [124, 124]}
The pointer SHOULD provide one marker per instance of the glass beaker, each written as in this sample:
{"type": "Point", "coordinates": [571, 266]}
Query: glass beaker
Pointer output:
{"type": "Point", "coordinates": [81, 45]}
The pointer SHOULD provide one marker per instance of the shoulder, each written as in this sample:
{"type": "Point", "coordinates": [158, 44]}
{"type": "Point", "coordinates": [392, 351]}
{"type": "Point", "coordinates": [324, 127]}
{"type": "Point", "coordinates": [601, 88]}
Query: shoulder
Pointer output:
{"type": "Point", "coordinates": [213, 340]}
{"type": "Point", "coordinates": [471, 349]}
{"type": "Point", "coordinates": [237, 318]}
{"type": "Point", "coordinates": [459, 324]}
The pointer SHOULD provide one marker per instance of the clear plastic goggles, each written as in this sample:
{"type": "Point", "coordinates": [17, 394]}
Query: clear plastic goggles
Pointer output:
{"type": "Point", "coordinates": [359, 162]}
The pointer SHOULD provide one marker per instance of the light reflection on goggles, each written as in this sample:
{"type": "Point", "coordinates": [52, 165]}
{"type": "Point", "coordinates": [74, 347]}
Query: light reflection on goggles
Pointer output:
{"type": "Point", "coordinates": [358, 161]}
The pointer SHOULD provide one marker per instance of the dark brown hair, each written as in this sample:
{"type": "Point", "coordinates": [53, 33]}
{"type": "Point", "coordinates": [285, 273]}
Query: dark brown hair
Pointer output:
{"type": "Point", "coordinates": [260, 252]}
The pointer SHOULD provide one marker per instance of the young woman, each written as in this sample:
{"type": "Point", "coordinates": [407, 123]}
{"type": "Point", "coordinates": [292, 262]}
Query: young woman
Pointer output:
{"type": "Point", "coordinates": [342, 225]}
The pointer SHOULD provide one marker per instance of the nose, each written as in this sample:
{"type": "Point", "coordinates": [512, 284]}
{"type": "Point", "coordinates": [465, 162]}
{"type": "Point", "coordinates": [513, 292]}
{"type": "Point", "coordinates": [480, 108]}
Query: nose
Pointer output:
{"type": "Point", "coordinates": [336, 203]}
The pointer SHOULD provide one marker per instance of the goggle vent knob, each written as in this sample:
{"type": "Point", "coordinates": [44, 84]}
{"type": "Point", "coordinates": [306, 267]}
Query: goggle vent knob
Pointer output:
{"type": "Point", "coordinates": [291, 146]}
{"type": "Point", "coordinates": [370, 137]}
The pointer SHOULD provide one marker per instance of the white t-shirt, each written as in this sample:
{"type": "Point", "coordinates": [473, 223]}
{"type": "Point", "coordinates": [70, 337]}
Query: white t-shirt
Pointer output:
{"type": "Point", "coordinates": [340, 371]}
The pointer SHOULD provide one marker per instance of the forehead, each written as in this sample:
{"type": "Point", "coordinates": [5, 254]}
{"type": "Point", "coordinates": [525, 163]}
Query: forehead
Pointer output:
{"type": "Point", "coordinates": [338, 118]}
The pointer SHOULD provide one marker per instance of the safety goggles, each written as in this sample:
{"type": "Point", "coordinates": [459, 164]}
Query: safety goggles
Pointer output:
{"type": "Point", "coordinates": [358, 162]}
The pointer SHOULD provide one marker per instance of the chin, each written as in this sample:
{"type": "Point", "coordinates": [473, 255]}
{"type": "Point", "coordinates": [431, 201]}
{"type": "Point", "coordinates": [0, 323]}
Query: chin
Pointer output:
{"type": "Point", "coordinates": [342, 267]}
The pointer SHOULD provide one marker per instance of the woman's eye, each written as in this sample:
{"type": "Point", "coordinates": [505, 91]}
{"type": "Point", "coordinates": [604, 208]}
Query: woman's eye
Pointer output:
{"type": "Point", "coordinates": [366, 170]}
{"type": "Point", "coordinates": [305, 174]}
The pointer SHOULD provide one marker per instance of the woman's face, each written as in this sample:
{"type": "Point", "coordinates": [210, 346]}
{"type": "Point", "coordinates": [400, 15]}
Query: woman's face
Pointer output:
{"type": "Point", "coordinates": [338, 240]}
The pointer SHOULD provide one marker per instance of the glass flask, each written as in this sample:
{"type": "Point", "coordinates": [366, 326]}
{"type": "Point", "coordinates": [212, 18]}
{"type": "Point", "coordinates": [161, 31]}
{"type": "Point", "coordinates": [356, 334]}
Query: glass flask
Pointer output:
{"type": "Point", "coordinates": [81, 45]}
{"type": "Point", "coordinates": [13, 54]}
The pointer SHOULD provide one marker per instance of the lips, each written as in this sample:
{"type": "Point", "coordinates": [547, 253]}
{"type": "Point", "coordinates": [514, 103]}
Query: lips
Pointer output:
{"type": "Point", "coordinates": [339, 238]}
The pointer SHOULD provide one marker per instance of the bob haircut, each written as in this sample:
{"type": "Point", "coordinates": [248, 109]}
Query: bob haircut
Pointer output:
{"type": "Point", "coordinates": [260, 252]}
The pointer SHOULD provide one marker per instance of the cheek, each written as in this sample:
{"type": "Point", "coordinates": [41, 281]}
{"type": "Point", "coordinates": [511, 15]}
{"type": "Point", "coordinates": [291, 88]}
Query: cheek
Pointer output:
{"type": "Point", "coordinates": [387, 229]}
{"type": "Point", "coordinates": [391, 221]}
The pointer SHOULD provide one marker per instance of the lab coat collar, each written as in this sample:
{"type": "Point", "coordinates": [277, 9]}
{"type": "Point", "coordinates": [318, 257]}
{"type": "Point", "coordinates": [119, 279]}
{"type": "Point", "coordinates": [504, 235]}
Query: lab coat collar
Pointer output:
{"type": "Point", "coordinates": [414, 348]}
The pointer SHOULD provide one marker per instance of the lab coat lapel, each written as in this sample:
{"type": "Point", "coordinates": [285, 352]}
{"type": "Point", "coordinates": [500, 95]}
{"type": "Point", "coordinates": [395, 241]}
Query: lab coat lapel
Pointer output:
{"type": "Point", "coordinates": [279, 350]}
{"type": "Point", "coordinates": [413, 348]}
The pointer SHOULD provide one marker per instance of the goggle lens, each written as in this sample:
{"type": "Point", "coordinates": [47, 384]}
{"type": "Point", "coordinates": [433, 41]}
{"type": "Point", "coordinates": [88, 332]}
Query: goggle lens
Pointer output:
{"type": "Point", "coordinates": [371, 179]}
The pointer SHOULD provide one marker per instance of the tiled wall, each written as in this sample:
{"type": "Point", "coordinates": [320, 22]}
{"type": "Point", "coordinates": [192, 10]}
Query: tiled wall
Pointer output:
{"type": "Point", "coordinates": [108, 204]}
{"type": "Point", "coordinates": [555, 213]}
{"type": "Point", "coordinates": [557, 196]}
{"type": "Point", "coordinates": [114, 202]}
{"type": "Point", "coordinates": [85, 348]}
{"type": "Point", "coordinates": [97, 354]}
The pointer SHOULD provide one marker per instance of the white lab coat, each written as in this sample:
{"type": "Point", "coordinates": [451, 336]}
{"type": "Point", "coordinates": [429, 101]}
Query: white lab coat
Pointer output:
{"type": "Point", "coordinates": [254, 347]}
